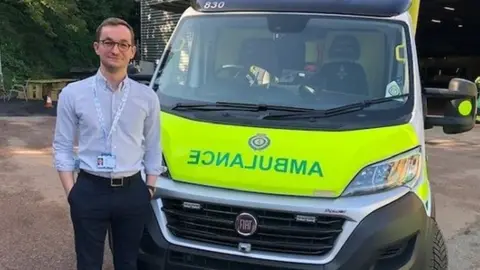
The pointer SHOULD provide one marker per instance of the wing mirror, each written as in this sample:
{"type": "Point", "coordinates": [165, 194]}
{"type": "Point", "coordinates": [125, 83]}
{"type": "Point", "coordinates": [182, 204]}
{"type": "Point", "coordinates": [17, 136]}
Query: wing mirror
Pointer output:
{"type": "Point", "coordinates": [454, 109]}
{"type": "Point", "coordinates": [477, 82]}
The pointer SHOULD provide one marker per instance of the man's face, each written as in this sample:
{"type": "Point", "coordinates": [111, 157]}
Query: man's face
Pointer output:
{"type": "Point", "coordinates": [115, 47]}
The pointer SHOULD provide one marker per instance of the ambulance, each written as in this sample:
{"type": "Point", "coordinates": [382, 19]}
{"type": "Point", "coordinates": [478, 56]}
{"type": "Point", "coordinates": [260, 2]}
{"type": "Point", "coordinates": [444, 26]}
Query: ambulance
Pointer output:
{"type": "Point", "coordinates": [294, 136]}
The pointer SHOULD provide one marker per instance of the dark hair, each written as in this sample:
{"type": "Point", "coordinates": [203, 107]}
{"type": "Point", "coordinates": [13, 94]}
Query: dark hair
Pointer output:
{"type": "Point", "coordinates": [114, 22]}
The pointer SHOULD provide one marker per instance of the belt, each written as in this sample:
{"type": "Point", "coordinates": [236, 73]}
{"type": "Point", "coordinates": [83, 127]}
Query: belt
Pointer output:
{"type": "Point", "coordinates": [112, 182]}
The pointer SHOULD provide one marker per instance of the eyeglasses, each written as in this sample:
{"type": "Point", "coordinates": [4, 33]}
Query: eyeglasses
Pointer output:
{"type": "Point", "coordinates": [122, 46]}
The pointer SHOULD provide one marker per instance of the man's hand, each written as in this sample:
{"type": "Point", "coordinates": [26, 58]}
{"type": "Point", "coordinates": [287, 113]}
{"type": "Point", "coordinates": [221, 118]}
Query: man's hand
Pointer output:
{"type": "Point", "coordinates": [151, 184]}
{"type": "Point", "coordinates": [152, 190]}
{"type": "Point", "coordinates": [67, 181]}
{"type": "Point", "coordinates": [67, 191]}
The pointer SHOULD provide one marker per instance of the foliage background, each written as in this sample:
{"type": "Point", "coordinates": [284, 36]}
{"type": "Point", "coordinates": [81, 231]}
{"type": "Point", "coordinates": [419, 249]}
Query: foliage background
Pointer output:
{"type": "Point", "coordinates": [45, 38]}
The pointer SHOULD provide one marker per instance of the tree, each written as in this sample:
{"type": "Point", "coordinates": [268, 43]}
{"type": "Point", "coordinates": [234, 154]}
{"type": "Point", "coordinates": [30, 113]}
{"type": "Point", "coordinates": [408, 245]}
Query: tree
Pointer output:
{"type": "Point", "coordinates": [45, 38]}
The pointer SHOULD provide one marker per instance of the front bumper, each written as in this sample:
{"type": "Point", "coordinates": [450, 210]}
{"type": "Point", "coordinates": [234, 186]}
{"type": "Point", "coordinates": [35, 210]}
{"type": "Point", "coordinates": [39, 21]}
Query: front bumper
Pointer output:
{"type": "Point", "coordinates": [395, 236]}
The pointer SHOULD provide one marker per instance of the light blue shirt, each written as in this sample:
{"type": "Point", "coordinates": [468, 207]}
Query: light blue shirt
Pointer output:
{"type": "Point", "coordinates": [135, 142]}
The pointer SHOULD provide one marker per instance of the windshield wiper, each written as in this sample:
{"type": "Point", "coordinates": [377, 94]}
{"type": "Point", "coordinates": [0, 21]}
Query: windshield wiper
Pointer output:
{"type": "Point", "coordinates": [358, 106]}
{"type": "Point", "coordinates": [223, 106]}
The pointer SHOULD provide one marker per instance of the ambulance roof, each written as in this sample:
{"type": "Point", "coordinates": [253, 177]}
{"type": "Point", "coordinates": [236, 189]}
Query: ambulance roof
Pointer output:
{"type": "Point", "coordinates": [377, 8]}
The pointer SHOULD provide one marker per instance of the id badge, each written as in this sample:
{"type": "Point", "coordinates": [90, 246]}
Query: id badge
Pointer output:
{"type": "Point", "coordinates": [106, 161]}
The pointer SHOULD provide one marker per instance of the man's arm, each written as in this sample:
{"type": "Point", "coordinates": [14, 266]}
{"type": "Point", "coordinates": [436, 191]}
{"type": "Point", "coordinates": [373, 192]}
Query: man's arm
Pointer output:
{"type": "Point", "coordinates": [153, 150]}
{"type": "Point", "coordinates": [65, 130]}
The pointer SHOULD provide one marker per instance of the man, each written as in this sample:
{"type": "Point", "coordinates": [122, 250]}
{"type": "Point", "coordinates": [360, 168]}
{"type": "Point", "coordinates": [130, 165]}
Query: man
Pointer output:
{"type": "Point", "coordinates": [118, 125]}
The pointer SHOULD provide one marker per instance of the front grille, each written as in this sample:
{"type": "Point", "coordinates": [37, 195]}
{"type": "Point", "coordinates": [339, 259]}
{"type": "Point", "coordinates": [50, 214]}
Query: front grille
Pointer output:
{"type": "Point", "coordinates": [277, 231]}
{"type": "Point", "coordinates": [202, 262]}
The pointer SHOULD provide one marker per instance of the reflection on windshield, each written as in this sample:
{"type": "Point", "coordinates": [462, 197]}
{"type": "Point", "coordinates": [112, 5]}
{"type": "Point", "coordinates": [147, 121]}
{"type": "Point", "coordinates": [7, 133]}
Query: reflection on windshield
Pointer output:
{"type": "Point", "coordinates": [286, 60]}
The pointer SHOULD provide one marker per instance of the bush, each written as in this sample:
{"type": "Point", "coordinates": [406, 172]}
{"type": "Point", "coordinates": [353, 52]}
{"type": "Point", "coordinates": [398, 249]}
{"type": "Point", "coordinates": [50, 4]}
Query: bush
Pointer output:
{"type": "Point", "coordinates": [45, 38]}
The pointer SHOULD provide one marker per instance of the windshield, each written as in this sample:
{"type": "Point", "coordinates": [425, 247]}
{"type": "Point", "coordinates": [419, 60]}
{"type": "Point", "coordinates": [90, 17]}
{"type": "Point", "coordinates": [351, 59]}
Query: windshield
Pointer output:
{"type": "Point", "coordinates": [301, 61]}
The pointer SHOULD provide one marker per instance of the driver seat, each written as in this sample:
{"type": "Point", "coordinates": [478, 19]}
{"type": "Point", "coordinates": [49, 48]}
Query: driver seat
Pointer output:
{"type": "Point", "coordinates": [262, 54]}
{"type": "Point", "coordinates": [343, 74]}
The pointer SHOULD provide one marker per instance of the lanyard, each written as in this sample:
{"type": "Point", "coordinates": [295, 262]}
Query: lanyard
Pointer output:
{"type": "Point", "coordinates": [101, 120]}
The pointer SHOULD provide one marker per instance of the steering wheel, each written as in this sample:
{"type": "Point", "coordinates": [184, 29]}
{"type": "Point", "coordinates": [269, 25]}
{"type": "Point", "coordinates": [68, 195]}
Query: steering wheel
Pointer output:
{"type": "Point", "coordinates": [232, 70]}
{"type": "Point", "coordinates": [238, 73]}
{"type": "Point", "coordinates": [244, 75]}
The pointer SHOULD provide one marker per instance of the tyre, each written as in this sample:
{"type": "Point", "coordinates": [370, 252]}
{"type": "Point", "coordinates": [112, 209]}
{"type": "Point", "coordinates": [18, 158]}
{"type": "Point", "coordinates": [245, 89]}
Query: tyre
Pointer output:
{"type": "Point", "coordinates": [439, 259]}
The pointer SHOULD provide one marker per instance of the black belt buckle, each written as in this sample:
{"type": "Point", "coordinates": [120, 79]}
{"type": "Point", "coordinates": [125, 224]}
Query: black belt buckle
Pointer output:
{"type": "Point", "coordinates": [116, 182]}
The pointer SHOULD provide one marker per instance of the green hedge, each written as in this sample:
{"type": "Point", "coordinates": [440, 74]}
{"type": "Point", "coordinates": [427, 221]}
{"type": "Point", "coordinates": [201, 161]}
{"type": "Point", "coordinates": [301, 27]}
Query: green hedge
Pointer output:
{"type": "Point", "coordinates": [45, 38]}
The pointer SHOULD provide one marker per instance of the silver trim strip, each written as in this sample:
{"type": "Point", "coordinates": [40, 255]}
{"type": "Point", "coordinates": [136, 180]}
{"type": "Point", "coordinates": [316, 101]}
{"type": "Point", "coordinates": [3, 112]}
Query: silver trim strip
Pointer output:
{"type": "Point", "coordinates": [354, 209]}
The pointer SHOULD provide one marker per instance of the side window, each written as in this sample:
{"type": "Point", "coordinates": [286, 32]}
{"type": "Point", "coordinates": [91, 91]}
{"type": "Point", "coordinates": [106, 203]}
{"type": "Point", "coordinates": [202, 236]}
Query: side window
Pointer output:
{"type": "Point", "coordinates": [398, 77]}
{"type": "Point", "coordinates": [182, 51]}
{"type": "Point", "coordinates": [177, 65]}
{"type": "Point", "coordinates": [401, 77]}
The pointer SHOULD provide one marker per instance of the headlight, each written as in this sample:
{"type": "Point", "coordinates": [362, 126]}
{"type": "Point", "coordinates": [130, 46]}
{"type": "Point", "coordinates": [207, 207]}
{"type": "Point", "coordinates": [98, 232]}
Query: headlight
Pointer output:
{"type": "Point", "coordinates": [402, 170]}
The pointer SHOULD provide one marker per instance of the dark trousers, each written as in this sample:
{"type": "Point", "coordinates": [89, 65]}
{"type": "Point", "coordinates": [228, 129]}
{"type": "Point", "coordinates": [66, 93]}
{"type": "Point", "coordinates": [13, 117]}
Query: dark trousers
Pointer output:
{"type": "Point", "coordinates": [95, 206]}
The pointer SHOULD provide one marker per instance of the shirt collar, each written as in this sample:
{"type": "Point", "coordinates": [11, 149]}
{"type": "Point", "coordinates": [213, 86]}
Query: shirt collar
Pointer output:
{"type": "Point", "coordinates": [106, 85]}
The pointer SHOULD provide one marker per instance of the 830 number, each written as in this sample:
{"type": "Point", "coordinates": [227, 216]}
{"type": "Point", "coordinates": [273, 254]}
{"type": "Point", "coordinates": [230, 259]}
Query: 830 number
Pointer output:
{"type": "Point", "coordinates": [214, 4]}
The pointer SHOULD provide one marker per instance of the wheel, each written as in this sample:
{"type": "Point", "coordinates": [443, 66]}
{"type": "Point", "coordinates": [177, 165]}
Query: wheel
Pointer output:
{"type": "Point", "coordinates": [439, 260]}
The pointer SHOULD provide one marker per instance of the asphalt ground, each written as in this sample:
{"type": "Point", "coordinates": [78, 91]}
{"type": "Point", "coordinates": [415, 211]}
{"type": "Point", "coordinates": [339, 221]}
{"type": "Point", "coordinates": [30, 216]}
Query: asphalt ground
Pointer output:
{"type": "Point", "coordinates": [35, 227]}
